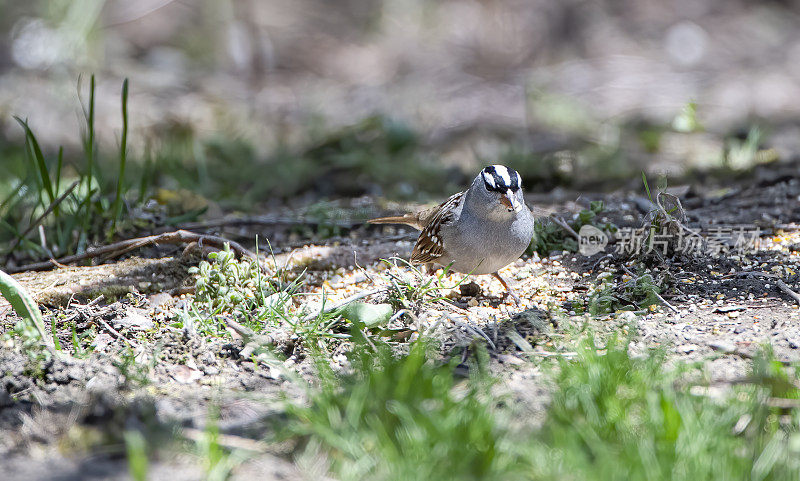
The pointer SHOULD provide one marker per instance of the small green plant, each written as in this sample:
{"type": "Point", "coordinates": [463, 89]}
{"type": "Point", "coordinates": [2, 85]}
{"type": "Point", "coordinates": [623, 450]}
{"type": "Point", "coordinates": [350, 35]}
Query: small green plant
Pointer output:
{"type": "Point", "coordinates": [601, 299]}
{"type": "Point", "coordinates": [53, 329]}
{"type": "Point", "coordinates": [642, 291]}
{"type": "Point", "coordinates": [123, 157]}
{"type": "Point", "coordinates": [664, 226]}
{"type": "Point", "coordinates": [638, 292]}
{"type": "Point", "coordinates": [79, 341]}
{"type": "Point", "coordinates": [549, 236]}
{"type": "Point", "coordinates": [227, 286]}
{"type": "Point", "coordinates": [238, 290]}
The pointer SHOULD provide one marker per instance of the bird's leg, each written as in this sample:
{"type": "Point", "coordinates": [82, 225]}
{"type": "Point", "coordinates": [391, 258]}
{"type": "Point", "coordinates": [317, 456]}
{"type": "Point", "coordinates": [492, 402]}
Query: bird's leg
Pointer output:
{"type": "Point", "coordinates": [509, 291]}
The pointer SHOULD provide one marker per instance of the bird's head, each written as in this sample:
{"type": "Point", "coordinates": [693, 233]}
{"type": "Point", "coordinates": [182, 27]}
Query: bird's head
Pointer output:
{"type": "Point", "coordinates": [501, 188]}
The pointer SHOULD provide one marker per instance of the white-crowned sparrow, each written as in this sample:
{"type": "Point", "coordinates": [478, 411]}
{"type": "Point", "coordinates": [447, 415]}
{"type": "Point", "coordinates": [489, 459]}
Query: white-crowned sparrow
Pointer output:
{"type": "Point", "coordinates": [478, 231]}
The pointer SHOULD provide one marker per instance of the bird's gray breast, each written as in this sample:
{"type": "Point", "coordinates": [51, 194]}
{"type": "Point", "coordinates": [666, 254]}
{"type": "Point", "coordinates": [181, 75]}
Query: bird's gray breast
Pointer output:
{"type": "Point", "coordinates": [484, 246]}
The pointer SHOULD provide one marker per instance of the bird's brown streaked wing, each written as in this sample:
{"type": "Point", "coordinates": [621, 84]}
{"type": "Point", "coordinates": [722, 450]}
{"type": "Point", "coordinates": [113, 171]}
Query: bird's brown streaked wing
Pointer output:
{"type": "Point", "coordinates": [429, 245]}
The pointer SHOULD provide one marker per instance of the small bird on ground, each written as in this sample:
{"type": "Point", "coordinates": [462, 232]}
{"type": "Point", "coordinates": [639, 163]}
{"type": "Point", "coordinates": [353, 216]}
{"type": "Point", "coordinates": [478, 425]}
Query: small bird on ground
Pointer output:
{"type": "Point", "coordinates": [477, 231]}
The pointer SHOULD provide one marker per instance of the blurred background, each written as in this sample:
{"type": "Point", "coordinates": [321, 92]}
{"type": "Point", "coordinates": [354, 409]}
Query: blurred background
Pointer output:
{"type": "Point", "coordinates": [259, 102]}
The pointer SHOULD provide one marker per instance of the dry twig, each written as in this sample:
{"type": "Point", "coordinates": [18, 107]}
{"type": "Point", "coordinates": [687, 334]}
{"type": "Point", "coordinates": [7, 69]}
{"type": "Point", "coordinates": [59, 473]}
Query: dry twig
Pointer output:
{"type": "Point", "coordinates": [116, 333]}
{"type": "Point", "coordinates": [563, 224]}
{"type": "Point", "coordinates": [274, 338]}
{"type": "Point", "coordinates": [81, 311]}
{"type": "Point", "coordinates": [119, 248]}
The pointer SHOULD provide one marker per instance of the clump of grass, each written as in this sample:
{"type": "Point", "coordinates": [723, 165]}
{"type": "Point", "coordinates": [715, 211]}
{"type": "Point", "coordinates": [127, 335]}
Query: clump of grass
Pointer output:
{"type": "Point", "coordinates": [398, 418]}
{"type": "Point", "coordinates": [237, 289]}
{"type": "Point", "coordinates": [616, 416]}
{"type": "Point", "coordinates": [81, 345]}
{"type": "Point", "coordinates": [611, 415]}
{"type": "Point", "coordinates": [67, 205]}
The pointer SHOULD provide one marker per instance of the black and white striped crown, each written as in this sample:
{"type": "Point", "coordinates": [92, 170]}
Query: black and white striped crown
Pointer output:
{"type": "Point", "coordinates": [500, 178]}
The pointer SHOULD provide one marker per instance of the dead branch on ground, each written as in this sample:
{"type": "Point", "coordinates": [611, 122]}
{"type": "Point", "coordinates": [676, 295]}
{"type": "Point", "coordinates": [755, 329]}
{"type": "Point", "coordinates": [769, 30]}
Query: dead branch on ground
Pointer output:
{"type": "Point", "coordinates": [123, 247]}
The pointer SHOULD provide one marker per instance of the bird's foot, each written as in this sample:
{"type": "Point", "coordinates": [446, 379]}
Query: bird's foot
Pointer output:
{"type": "Point", "coordinates": [509, 291]}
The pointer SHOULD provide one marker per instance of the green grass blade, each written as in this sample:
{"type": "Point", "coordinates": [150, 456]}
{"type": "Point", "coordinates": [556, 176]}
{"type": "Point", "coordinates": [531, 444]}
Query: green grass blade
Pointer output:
{"type": "Point", "coordinates": [123, 154]}
{"type": "Point", "coordinates": [53, 330]}
{"type": "Point", "coordinates": [23, 304]}
{"type": "Point", "coordinates": [646, 187]}
{"type": "Point", "coordinates": [38, 158]}
{"type": "Point", "coordinates": [89, 147]}
{"type": "Point", "coordinates": [59, 165]}
{"type": "Point", "coordinates": [89, 152]}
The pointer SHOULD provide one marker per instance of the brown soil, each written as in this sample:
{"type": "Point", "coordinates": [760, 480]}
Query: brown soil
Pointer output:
{"type": "Point", "coordinates": [65, 419]}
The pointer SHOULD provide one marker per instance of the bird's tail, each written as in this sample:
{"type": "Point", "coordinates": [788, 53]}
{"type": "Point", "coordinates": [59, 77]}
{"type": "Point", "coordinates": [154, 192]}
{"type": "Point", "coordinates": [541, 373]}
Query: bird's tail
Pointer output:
{"type": "Point", "coordinates": [408, 219]}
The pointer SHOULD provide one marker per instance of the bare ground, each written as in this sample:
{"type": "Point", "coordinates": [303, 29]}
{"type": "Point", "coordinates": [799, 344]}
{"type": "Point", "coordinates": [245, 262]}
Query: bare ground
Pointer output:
{"type": "Point", "coordinates": [65, 421]}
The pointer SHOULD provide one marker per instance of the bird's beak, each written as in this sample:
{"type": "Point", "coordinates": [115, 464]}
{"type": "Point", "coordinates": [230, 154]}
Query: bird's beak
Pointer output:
{"type": "Point", "coordinates": [510, 202]}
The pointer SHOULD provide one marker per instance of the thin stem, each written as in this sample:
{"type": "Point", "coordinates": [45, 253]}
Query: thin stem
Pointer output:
{"type": "Point", "coordinates": [123, 155]}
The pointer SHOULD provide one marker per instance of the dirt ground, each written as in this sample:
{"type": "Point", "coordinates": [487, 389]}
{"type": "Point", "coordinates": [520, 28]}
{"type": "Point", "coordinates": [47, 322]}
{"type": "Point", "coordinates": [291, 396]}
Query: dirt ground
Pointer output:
{"type": "Point", "coordinates": [66, 421]}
